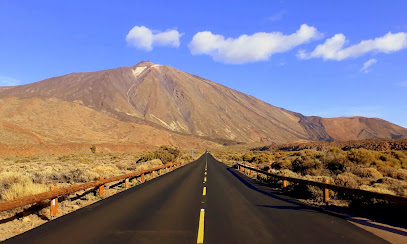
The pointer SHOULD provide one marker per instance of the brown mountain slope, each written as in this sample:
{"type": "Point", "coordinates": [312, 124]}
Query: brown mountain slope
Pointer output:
{"type": "Point", "coordinates": [165, 97]}
{"type": "Point", "coordinates": [50, 121]}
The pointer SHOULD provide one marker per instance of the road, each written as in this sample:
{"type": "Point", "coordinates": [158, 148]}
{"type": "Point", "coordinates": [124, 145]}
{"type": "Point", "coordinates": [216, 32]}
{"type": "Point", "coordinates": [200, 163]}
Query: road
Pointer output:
{"type": "Point", "coordinates": [175, 208]}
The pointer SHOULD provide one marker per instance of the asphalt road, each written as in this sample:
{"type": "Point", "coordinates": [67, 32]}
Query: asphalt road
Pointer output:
{"type": "Point", "coordinates": [175, 208]}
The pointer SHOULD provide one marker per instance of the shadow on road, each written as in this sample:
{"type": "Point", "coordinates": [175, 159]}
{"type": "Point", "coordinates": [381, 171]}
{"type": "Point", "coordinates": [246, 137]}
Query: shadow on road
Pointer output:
{"type": "Point", "coordinates": [299, 206]}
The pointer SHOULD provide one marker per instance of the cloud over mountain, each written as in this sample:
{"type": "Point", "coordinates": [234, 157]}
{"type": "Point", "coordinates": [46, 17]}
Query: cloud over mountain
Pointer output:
{"type": "Point", "coordinates": [259, 46]}
{"type": "Point", "coordinates": [143, 38]}
{"type": "Point", "coordinates": [333, 48]}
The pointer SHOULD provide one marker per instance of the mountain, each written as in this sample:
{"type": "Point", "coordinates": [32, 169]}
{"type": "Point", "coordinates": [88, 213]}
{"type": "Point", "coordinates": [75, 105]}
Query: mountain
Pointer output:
{"type": "Point", "coordinates": [163, 98]}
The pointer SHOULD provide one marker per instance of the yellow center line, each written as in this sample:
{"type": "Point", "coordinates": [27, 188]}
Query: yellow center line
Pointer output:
{"type": "Point", "coordinates": [205, 173]}
{"type": "Point", "coordinates": [204, 179]}
{"type": "Point", "coordinates": [204, 191]}
{"type": "Point", "coordinates": [201, 227]}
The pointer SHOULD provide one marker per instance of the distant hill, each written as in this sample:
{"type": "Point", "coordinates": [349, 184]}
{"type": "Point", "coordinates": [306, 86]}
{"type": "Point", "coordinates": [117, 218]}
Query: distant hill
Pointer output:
{"type": "Point", "coordinates": [147, 101]}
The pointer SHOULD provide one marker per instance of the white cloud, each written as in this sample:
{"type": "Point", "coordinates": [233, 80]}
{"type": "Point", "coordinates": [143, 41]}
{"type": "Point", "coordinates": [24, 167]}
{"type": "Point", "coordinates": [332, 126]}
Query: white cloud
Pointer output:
{"type": "Point", "coordinates": [366, 65]}
{"type": "Point", "coordinates": [257, 47]}
{"type": "Point", "coordinates": [8, 81]}
{"type": "Point", "coordinates": [404, 83]}
{"type": "Point", "coordinates": [143, 38]}
{"type": "Point", "coordinates": [333, 48]}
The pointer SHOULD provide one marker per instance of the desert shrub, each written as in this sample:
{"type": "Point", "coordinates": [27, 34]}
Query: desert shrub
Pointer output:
{"type": "Point", "coordinates": [367, 172]}
{"type": "Point", "coordinates": [283, 164]}
{"type": "Point", "coordinates": [362, 156]}
{"type": "Point", "coordinates": [306, 165]}
{"type": "Point", "coordinates": [400, 174]}
{"type": "Point", "coordinates": [93, 149]}
{"type": "Point", "coordinates": [165, 153]}
{"type": "Point", "coordinates": [335, 160]}
{"type": "Point", "coordinates": [347, 179]}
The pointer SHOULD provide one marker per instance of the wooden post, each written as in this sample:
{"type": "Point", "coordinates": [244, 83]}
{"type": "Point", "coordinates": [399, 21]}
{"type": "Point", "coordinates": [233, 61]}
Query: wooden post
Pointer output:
{"type": "Point", "coordinates": [284, 181]}
{"type": "Point", "coordinates": [101, 187]}
{"type": "Point", "coordinates": [326, 193]}
{"type": "Point", "coordinates": [126, 183]}
{"type": "Point", "coordinates": [142, 177]}
{"type": "Point", "coordinates": [54, 205]}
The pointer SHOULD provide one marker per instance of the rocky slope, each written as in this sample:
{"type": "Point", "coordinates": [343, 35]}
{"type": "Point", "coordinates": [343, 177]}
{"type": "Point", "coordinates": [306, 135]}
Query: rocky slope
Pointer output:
{"type": "Point", "coordinates": [171, 100]}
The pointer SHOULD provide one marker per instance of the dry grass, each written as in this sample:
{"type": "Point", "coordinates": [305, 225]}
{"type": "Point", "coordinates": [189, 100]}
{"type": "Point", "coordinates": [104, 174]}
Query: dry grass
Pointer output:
{"type": "Point", "coordinates": [22, 176]}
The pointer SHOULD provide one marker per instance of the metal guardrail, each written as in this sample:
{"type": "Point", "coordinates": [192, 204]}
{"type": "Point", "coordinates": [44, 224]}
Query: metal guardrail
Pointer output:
{"type": "Point", "coordinates": [326, 186]}
{"type": "Point", "coordinates": [55, 193]}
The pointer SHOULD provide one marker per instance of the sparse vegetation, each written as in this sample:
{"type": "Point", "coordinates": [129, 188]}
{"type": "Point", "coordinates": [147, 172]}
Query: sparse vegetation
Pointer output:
{"type": "Point", "coordinates": [22, 176]}
{"type": "Point", "coordinates": [379, 171]}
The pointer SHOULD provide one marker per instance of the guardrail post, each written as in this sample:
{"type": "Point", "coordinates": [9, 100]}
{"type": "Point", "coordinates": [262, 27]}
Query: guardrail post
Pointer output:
{"type": "Point", "coordinates": [101, 187]}
{"type": "Point", "coordinates": [54, 205]}
{"type": "Point", "coordinates": [326, 193]}
{"type": "Point", "coordinates": [126, 183]}
{"type": "Point", "coordinates": [284, 181]}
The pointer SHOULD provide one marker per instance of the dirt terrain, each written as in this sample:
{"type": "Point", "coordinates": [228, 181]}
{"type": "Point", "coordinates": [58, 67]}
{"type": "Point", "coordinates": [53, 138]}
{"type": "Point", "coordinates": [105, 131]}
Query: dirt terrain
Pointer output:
{"type": "Point", "coordinates": [376, 145]}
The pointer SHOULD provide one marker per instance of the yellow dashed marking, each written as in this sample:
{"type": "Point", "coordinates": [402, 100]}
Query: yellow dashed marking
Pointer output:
{"type": "Point", "coordinates": [204, 179]}
{"type": "Point", "coordinates": [204, 191]}
{"type": "Point", "coordinates": [201, 227]}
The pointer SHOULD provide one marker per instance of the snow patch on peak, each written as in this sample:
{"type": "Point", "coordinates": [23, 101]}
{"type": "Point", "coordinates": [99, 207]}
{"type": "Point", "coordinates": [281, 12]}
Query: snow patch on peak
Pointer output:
{"type": "Point", "coordinates": [138, 70]}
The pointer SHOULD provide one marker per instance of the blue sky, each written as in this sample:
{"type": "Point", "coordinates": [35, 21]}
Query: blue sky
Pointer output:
{"type": "Point", "coordinates": [314, 57]}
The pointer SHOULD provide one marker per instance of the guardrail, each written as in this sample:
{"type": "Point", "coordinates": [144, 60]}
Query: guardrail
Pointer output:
{"type": "Point", "coordinates": [325, 186]}
{"type": "Point", "coordinates": [55, 193]}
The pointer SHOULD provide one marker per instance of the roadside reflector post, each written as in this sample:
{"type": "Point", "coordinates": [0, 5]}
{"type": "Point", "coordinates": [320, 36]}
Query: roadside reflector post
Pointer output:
{"type": "Point", "coordinates": [258, 172]}
{"type": "Point", "coordinates": [250, 171]}
{"type": "Point", "coordinates": [54, 205]}
{"type": "Point", "coordinates": [326, 193]}
{"type": "Point", "coordinates": [152, 174]}
{"type": "Point", "coordinates": [238, 167]}
{"type": "Point", "coordinates": [126, 183]}
{"type": "Point", "coordinates": [268, 176]}
{"type": "Point", "coordinates": [142, 177]}
{"type": "Point", "coordinates": [101, 187]}
{"type": "Point", "coordinates": [161, 171]}
{"type": "Point", "coordinates": [284, 181]}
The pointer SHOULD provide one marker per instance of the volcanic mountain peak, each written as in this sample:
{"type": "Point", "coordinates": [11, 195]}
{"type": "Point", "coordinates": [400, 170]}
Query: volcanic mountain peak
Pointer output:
{"type": "Point", "coordinates": [168, 98]}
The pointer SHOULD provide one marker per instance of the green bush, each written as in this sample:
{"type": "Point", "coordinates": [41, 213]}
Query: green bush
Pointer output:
{"type": "Point", "coordinates": [165, 153]}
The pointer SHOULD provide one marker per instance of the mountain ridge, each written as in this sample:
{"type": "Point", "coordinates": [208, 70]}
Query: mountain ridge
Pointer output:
{"type": "Point", "coordinates": [167, 98]}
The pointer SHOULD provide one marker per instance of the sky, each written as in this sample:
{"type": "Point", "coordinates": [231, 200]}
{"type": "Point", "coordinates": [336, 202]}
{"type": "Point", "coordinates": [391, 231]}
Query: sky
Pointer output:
{"type": "Point", "coordinates": [323, 58]}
